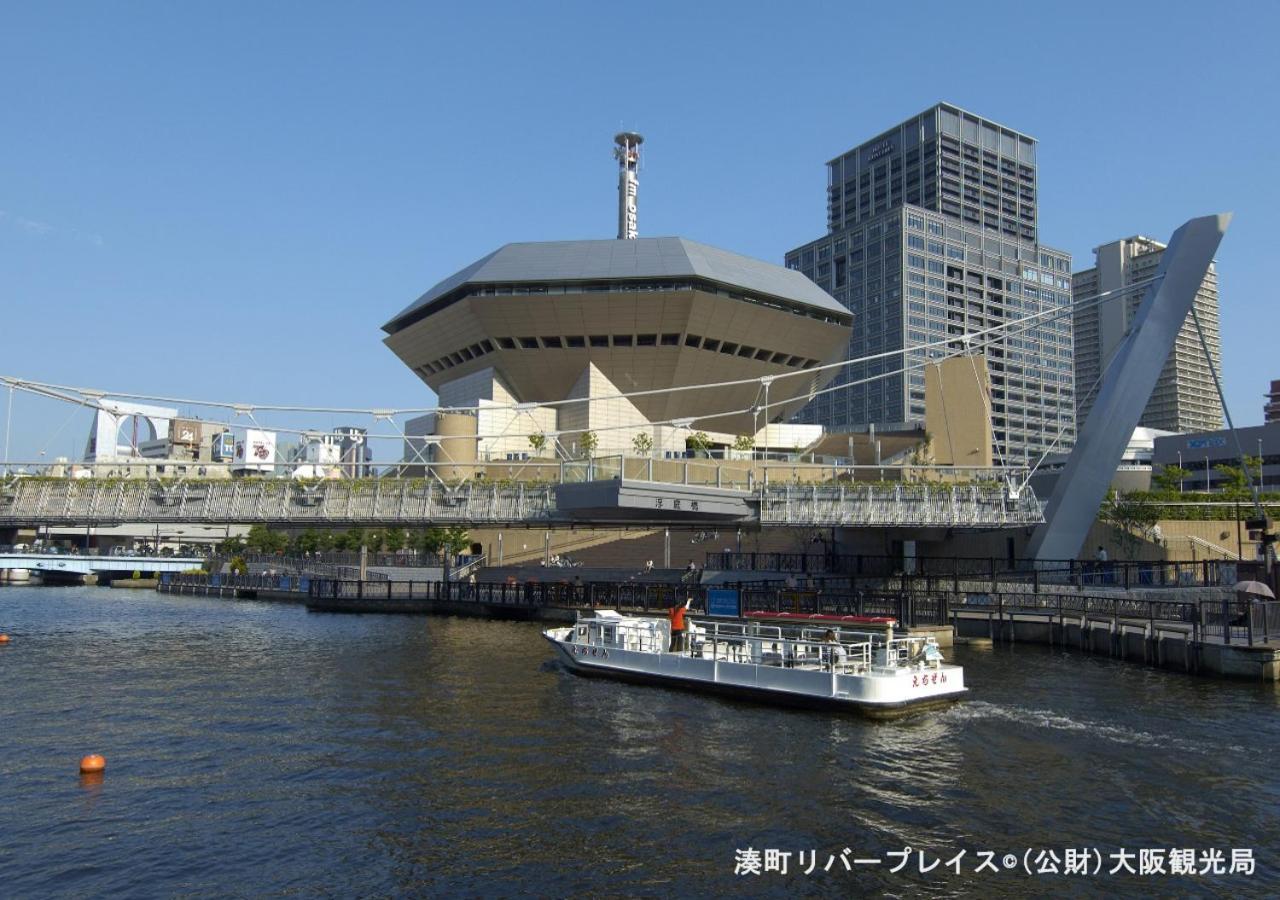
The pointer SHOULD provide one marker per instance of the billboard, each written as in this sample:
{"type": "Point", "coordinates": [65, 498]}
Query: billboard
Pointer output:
{"type": "Point", "coordinates": [723, 602]}
{"type": "Point", "coordinates": [223, 447]}
{"type": "Point", "coordinates": [186, 432]}
{"type": "Point", "coordinates": [255, 451]}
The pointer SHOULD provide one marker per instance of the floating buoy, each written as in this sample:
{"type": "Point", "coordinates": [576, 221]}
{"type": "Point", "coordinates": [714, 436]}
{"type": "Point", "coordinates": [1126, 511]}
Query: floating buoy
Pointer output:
{"type": "Point", "coordinates": [92, 764]}
{"type": "Point", "coordinates": [4, 638]}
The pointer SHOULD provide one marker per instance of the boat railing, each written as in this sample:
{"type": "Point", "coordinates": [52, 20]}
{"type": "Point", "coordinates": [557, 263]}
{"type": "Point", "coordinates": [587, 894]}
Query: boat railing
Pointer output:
{"type": "Point", "coordinates": [826, 649]}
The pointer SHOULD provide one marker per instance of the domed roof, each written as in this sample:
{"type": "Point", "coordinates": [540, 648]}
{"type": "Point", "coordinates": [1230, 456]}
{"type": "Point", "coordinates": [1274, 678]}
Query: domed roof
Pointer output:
{"type": "Point", "coordinates": [620, 260]}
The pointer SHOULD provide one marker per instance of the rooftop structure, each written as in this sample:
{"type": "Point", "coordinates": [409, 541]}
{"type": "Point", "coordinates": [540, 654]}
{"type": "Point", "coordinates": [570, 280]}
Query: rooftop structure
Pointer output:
{"type": "Point", "coordinates": [515, 337]}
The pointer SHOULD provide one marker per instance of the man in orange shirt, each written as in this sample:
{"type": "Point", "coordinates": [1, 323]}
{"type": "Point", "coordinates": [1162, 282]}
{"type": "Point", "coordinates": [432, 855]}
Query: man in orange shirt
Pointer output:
{"type": "Point", "coordinates": [678, 626]}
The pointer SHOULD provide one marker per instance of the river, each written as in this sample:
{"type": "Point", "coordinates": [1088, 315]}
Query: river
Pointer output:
{"type": "Point", "coordinates": [256, 749]}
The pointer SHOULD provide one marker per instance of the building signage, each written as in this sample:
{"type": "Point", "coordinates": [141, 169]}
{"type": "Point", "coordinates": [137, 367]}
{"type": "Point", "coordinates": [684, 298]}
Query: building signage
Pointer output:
{"type": "Point", "coordinates": [1205, 443]}
{"type": "Point", "coordinates": [629, 229]}
{"type": "Point", "coordinates": [224, 447]}
{"type": "Point", "coordinates": [256, 450]}
{"type": "Point", "coordinates": [723, 602]}
{"type": "Point", "coordinates": [878, 150]}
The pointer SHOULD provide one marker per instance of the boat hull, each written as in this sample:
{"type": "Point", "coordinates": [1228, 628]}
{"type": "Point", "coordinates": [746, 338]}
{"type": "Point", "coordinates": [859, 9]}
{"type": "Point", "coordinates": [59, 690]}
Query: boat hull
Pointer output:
{"type": "Point", "coordinates": [742, 681]}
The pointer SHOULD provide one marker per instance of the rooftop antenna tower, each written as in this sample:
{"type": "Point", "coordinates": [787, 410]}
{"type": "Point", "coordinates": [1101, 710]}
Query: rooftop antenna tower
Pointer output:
{"type": "Point", "coordinates": [627, 153]}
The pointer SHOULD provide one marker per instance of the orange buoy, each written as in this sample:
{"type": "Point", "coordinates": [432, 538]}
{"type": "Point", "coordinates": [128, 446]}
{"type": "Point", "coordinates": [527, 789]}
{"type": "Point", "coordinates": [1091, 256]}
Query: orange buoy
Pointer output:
{"type": "Point", "coordinates": [92, 764]}
{"type": "Point", "coordinates": [4, 638]}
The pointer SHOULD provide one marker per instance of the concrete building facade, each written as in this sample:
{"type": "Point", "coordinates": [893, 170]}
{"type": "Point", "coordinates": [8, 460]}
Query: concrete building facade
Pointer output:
{"type": "Point", "coordinates": [933, 240]}
{"type": "Point", "coordinates": [1201, 453]}
{"type": "Point", "coordinates": [1185, 398]}
{"type": "Point", "coordinates": [542, 338]}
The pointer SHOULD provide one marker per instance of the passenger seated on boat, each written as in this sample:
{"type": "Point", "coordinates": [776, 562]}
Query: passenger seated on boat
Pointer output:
{"type": "Point", "coordinates": [772, 656]}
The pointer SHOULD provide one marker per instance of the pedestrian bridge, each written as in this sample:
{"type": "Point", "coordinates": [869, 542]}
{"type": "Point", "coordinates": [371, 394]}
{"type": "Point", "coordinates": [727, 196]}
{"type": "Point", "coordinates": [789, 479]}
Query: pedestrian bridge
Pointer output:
{"type": "Point", "coordinates": [801, 496]}
{"type": "Point", "coordinates": [84, 564]}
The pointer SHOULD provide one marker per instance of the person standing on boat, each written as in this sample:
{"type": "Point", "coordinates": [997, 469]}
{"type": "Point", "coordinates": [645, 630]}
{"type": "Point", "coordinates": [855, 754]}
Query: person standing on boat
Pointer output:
{"type": "Point", "coordinates": [832, 651]}
{"type": "Point", "coordinates": [679, 625]}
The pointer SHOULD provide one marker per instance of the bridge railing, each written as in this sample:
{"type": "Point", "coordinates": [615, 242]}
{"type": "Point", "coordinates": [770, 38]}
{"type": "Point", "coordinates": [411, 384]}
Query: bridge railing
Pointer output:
{"type": "Point", "coordinates": [59, 501]}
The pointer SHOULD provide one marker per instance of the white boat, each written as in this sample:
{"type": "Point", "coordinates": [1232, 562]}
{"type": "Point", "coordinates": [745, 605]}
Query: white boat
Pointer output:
{"type": "Point", "coordinates": [814, 664]}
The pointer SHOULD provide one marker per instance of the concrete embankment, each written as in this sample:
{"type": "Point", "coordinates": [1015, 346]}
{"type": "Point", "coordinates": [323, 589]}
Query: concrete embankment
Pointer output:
{"type": "Point", "coordinates": [1170, 645]}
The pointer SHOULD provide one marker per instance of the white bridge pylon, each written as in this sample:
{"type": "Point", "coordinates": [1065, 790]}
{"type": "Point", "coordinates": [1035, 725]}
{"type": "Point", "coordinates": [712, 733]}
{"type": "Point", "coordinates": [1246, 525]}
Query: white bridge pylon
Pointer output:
{"type": "Point", "coordinates": [1127, 387]}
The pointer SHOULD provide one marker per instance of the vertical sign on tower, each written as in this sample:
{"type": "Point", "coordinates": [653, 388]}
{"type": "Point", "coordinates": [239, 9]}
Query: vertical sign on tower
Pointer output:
{"type": "Point", "coordinates": [627, 153]}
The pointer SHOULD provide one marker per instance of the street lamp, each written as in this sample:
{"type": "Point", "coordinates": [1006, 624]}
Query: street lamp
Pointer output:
{"type": "Point", "coordinates": [1180, 472]}
{"type": "Point", "coordinates": [1206, 473]}
{"type": "Point", "coordinates": [1262, 479]}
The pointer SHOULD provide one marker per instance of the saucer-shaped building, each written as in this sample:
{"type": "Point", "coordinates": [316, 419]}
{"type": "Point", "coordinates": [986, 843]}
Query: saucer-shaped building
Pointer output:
{"type": "Point", "coordinates": [533, 324]}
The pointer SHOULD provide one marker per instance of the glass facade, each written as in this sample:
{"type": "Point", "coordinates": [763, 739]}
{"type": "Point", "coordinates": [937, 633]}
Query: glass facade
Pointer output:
{"type": "Point", "coordinates": [945, 160]}
{"type": "Point", "coordinates": [943, 250]}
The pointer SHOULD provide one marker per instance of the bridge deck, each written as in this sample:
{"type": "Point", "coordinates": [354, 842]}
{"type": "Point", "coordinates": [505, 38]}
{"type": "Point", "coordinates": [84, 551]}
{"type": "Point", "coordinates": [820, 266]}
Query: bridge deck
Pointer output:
{"type": "Point", "coordinates": [414, 502]}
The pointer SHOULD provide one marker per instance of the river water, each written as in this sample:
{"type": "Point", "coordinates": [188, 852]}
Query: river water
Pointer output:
{"type": "Point", "coordinates": [256, 749]}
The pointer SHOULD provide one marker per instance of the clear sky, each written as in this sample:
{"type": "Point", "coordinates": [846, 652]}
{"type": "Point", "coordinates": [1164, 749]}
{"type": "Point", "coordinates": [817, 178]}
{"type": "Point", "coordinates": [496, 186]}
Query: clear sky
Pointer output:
{"type": "Point", "coordinates": [228, 200]}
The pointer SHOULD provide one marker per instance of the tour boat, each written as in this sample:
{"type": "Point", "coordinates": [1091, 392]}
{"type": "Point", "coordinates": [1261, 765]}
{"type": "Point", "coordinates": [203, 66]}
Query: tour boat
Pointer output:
{"type": "Point", "coordinates": [830, 666]}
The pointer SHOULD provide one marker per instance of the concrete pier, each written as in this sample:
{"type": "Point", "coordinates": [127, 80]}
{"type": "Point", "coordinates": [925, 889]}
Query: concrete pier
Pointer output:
{"type": "Point", "coordinates": [1169, 645]}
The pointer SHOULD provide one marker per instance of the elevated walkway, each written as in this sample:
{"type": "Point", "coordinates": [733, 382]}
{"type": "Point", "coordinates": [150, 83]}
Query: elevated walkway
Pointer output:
{"type": "Point", "coordinates": [603, 492]}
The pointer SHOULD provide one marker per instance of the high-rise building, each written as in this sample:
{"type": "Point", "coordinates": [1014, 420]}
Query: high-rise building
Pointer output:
{"type": "Point", "coordinates": [932, 241]}
{"type": "Point", "coordinates": [1185, 397]}
{"type": "Point", "coordinates": [1271, 411]}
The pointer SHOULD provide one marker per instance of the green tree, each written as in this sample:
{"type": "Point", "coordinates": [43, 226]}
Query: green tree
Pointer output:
{"type": "Point", "coordinates": [429, 541]}
{"type": "Point", "coordinates": [699, 442]}
{"type": "Point", "coordinates": [1253, 465]}
{"type": "Point", "coordinates": [1133, 516]}
{"type": "Point", "coordinates": [1234, 482]}
{"type": "Point", "coordinates": [455, 540]}
{"type": "Point", "coordinates": [260, 540]}
{"type": "Point", "coordinates": [232, 546]}
{"type": "Point", "coordinates": [1170, 478]}
{"type": "Point", "coordinates": [537, 441]}
{"type": "Point", "coordinates": [307, 542]}
{"type": "Point", "coordinates": [744, 443]}
{"type": "Point", "coordinates": [643, 442]}
{"type": "Point", "coordinates": [589, 442]}
{"type": "Point", "coordinates": [394, 540]}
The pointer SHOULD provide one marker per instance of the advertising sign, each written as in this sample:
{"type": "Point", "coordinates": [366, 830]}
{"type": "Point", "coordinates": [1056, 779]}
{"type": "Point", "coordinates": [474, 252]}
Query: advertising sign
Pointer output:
{"type": "Point", "coordinates": [255, 451]}
{"type": "Point", "coordinates": [223, 448]}
{"type": "Point", "coordinates": [723, 602]}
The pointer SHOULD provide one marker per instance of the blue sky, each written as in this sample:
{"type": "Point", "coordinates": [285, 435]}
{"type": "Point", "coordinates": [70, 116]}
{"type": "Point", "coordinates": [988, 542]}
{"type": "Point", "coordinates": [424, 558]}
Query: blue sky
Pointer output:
{"type": "Point", "coordinates": [227, 200]}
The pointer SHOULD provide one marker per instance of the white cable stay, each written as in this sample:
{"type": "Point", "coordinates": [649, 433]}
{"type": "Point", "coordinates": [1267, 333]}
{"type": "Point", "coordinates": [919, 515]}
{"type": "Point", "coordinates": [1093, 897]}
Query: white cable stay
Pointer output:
{"type": "Point", "coordinates": [951, 346]}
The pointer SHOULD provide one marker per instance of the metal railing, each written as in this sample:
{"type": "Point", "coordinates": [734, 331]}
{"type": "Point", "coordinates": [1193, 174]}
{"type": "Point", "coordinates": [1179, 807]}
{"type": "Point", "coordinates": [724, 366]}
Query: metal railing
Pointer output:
{"type": "Point", "coordinates": [632, 596]}
{"type": "Point", "coordinates": [1249, 621]}
{"type": "Point", "coordinates": [796, 494]}
{"type": "Point", "coordinates": [287, 583]}
{"type": "Point", "coordinates": [1264, 621]}
{"type": "Point", "coordinates": [981, 504]}
{"type": "Point", "coordinates": [950, 572]}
